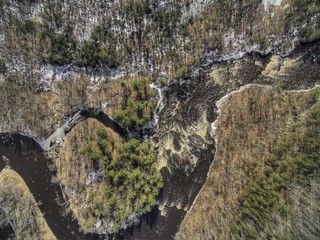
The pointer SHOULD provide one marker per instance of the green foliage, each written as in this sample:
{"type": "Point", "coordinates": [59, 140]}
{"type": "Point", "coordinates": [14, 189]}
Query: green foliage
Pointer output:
{"type": "Point", "coordinates": [102, 133]}
{"type": "Point", "coordinates": [314, 35]}
{"type": "Point", "coordinates": [2, 3]}
{"type": "Point", "coordinates": [137, 109]}
{"type": "Point", "coordinates": [88, 53]}
{"type": "Point", "coordinates": [132, 180]}
{"type": "Point", "coordinates": [91, 53]}
{"type": "Point", "coordinates": [106, 47]}
{"type": "Point", "coordinates": [99, 49]}
{"type": "Point", "coordinates": [182, 71]}
{"type": "Point", "coordinates": [26, 27]}
{"type": "Point", "coordinates": [261, 195]}
{"type": "Point", "coordinates": [63, 47]}
{"type": "Point", "coordinates": [94, 156]}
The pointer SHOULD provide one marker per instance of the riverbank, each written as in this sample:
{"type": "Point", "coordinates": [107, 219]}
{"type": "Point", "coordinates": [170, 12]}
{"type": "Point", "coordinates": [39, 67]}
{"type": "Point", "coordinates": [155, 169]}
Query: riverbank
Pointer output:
{"type": "Point", "coordinates": [21, 209]}
{"type": "Point", "coordinates": [26, 158]}
{"type": "Point", "coordinates": [255, 123]}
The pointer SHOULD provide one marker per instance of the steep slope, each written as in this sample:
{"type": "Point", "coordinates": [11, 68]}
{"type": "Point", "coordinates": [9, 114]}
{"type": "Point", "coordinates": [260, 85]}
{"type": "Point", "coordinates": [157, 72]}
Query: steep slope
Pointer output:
{"type": "Point", "coordinates": [251, 124]}
{"type": "Point", "coordinates": [164, 38]}
{"type": "Point", "coordinates": [184, 136]}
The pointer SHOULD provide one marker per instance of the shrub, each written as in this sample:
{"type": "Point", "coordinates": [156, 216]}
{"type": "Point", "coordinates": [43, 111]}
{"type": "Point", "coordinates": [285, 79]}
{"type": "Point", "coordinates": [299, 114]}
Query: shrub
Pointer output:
{"type": "Point", "coordinates": [63, 47]}
{"type": "Point", "coordinates": [132, 180]}
{"type": "Point", "coordinates": [137, 109]}
{"type": "Point", "coordinates": [261, 195]}
{"type": "Point", "coordinates": [182, 71]}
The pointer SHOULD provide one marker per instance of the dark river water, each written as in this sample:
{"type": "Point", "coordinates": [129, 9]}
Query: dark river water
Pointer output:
{"type": "Point", "coordinates": [27, 158]}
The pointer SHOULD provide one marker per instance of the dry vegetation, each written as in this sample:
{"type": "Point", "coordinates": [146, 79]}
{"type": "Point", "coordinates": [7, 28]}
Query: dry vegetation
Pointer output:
{"type": "Point", "coordinates": [20, 210]}
{"type": "Point", "coordinates": [39, 113]}
{"type": "Point", "coordinates": [146, 34]}
{"type": "Point", "coordinates": [109, 182]}
{"type": "Point", "coordinates": [149, 34]}
{"type": "Point", "coordinates": [243, 197]}
{"type": "Point", "coordinates": [43, 112]}
{"type": "Point", "coordinates": [91, 36]}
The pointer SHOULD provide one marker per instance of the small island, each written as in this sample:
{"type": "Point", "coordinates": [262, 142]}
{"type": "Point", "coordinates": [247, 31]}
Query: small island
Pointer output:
{"type": "Point", "coordinates": [109, 181]}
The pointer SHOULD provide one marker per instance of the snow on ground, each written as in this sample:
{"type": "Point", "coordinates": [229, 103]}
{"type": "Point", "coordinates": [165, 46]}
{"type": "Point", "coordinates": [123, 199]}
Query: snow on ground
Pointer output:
{"type": "Point", "coordinates": [271, 2]}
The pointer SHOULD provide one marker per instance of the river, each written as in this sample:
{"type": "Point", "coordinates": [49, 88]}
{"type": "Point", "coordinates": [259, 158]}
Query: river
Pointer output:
{"type": "Point", "coordinates": [28, 160]}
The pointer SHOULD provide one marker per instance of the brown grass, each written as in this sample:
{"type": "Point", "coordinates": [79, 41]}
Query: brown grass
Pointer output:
{"type": "Point", "coordinates": [73, 170]}
{"type": "Point", "coordinates": [20, 208]}
{"type": "Point", "coordinates": [250, 123]}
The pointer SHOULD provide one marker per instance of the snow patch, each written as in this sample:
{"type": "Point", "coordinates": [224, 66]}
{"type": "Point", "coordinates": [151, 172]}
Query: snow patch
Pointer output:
{"type": "Point", "coordinates": [196, 8]}
{"type": "Point", "coordinates": [304, 90]}
{"type": "Point", "coordinates": [271, 2]}
{"type": "Point", "coordinates": [160, 103]}
{"type": "Point", "coordinates": [7, 161]}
